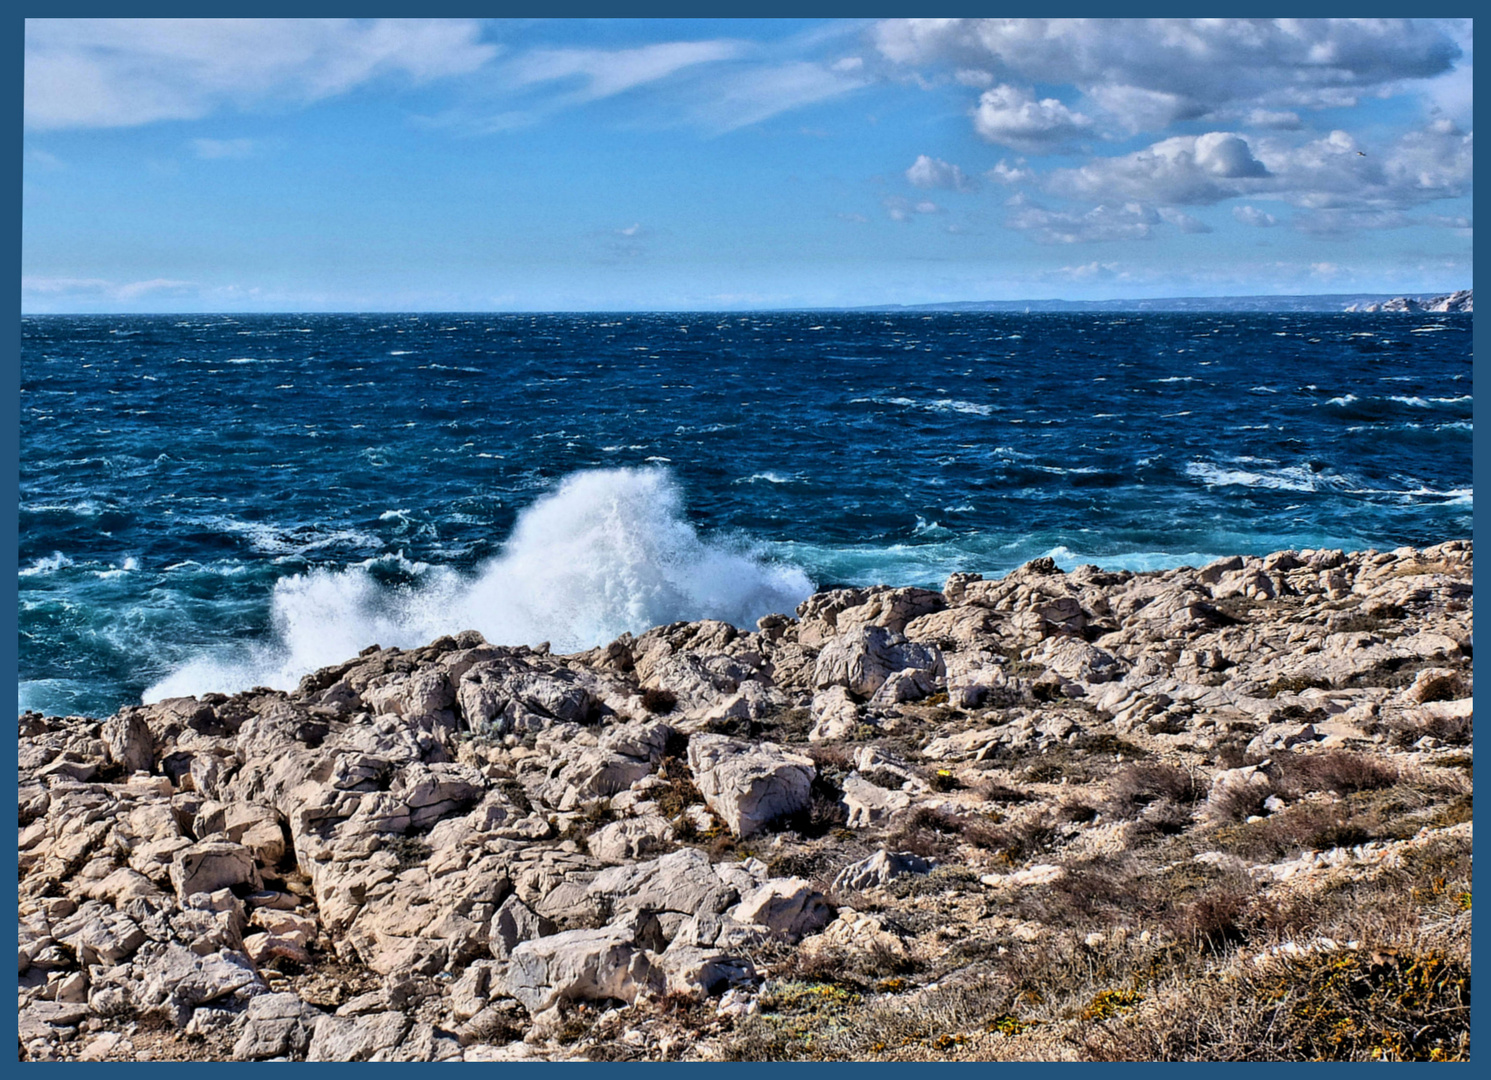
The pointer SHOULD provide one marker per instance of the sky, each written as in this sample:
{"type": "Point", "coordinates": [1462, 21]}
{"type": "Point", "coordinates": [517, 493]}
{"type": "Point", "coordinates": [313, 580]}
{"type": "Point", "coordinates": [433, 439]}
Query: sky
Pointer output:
{"type": "Point", "coordinates": [536, 165]}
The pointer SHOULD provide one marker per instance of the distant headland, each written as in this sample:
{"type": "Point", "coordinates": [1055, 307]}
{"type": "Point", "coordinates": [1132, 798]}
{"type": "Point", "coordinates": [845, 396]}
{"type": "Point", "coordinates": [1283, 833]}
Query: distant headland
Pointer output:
{"type": "Point", "coordinates": [1459, 301]}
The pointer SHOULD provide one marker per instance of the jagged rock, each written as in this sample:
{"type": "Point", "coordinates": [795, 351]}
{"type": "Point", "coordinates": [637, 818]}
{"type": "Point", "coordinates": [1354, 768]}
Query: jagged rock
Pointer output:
{"type": "Point", "coordinates": [835, 714]}
{"type": "Point", "coordinates": [856, 932]}
{"type": "Point", "coordinates": [211, 865]}
{"type": "Point", "coordinates": [880, 868]}
{"type": "Point", "coordinates": [451, 863]}
{"type": "Point", "coordinates": [129, 742]}
{"type": "Point", "coordinates": [275, 1025]}
{"type": "Point", "coordinates": [862, 659]}
{"type": "Point", "coordinates": [702, 972]}
{"type": "Point", "coordinates": [337, 1038]}
{"type": "Point", "coordinates": [788, 907]}
{"type": "Point", "coordinates": [868, 803]}
{"type": "Point", "coordinates": [683, 882]}
{"type": "Point", "coordinates": [514, 923]}
{"type": "Point", "coordinates": [611, 962]}
{"type": "Point", "coordinates": [631, 838]}
{"type": "Point", "coordinates": [748, 785]}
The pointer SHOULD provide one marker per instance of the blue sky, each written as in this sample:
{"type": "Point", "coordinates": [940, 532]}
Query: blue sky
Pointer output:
{"type": "Point", "coordinates": [346, 165]}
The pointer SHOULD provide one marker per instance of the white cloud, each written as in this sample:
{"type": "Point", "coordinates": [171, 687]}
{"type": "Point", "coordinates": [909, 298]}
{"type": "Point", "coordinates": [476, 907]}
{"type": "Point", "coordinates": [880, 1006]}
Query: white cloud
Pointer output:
{"type": "Point", "coordinates": [99, 289]}
{"type": "Point", "coordinates": [1129, 221]}
{"type": "Point", "coordinates": [1183, 221]}
{"type": "Point", "coordinates": [609, 72]}
{"type": "Point", "coordinates": [903, 209]}
{"type": "Point", "coordinates": [1279, 119]}
{"type": "Point", "coordinates": [929, 172]}
{"type": "Point", "coordinates": [1251, 215]}
{"type": "Point", "coordinates": [1186, 170]}
{"type": "Point", "coordinates": [125, 72]}
{"type": "Point", "coordinates": [1013, 117]}
{"type": "Point", "coordinates": [215, 149]}
{"type": "Point", "coordinates": [1148, 73]}
{"type": "Point", "coordinates": [1005, 173]}
{"type": "Point", "coordinates": [761, 93]}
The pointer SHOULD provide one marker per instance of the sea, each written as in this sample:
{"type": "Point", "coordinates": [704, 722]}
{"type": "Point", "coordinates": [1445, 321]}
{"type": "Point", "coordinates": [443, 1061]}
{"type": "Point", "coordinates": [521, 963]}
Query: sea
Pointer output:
{"type": "Point", "coordinates": [212, 502]}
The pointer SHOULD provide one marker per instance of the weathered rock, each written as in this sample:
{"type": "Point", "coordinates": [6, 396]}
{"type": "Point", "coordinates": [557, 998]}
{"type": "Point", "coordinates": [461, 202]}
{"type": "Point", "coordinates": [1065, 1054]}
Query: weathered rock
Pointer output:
{"type": "Point", "coordinates": [748, 785]}
{"type": "Point", "coordinates": [357, 1038]}
{"type": "Point", "coordinates": [862, 659]}
{"type": "Point", "coordinates": [129, 742]}
{"type": "Point", "coordinates": [611, 962]}
{"type": "Point", "coordinates": [631, 838]}
{"type": "Point", "coordinates": [514, 923]}
{"type": "Point", "coordinates": [275, 1025]}
{"type": "Point", "coordinates": [881, 868]}
{"type": "Point", "coordinates": [788, 907]}
{"type": "Point", "coordinates": [211, 865]}
{"type": "Point", "coordinates": [834, 714]}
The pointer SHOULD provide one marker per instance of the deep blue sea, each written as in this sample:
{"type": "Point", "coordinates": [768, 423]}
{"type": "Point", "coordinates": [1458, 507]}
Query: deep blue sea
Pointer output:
{"type": "Point", "coordinates": [213, 502]}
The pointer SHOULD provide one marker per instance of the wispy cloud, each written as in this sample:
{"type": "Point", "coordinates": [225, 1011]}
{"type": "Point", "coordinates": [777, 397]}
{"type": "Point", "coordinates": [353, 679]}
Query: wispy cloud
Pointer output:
{"type": "Point", "coordinates": [604, 73]}
{"type": "Point", "coordinates": [84, 73]}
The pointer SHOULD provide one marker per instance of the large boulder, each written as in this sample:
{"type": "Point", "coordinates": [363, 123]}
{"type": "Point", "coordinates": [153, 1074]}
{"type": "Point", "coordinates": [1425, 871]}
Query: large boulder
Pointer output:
{"type": "Point", "coordinates": [212, 865]}
{"type": "Point", "coordinates": [862, 659]}
{"type": "Point", "coordinates": [788, 907]}
{"type": "Point", "coordinates": [749, 784]}
{"type": "Point", "coordinates": [614, 961]}
{"type": "Point", "coordinates": [128, 742]}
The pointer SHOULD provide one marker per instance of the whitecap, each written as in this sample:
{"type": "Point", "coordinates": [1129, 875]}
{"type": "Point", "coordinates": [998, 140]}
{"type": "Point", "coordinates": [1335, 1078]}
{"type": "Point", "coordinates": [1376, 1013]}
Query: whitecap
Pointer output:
{"type": "Point", "coordinates": [48, 565]}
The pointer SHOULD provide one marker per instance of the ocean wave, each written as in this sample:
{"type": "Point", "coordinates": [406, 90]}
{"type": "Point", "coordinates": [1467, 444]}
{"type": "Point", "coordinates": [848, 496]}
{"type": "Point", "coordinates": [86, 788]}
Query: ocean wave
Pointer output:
{"type": "Point", "coordinates": [48, 565]}
{"type": "Point", "coordinates": [268, 538]}
{"type": "Point", "coordinates": [609, 551]}
{"type": "Point", "coordinates": [768, 477]}
{"type": "Point", "coordinates": [1288, 478]}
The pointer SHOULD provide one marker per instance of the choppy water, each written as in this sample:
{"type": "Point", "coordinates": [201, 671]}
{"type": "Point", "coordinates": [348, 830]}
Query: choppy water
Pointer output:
{"type": "Point", "coordinates": [214, 502]}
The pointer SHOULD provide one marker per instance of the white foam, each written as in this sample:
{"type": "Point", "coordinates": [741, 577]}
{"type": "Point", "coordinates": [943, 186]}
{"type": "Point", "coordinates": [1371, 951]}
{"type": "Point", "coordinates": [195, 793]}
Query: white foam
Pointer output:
{"type": "Point", "coordinates": [48, 565]}
{"type": "Point", "coordinates": [1290, 478]}
{"type": "Point", "coordinates": [609, 551]}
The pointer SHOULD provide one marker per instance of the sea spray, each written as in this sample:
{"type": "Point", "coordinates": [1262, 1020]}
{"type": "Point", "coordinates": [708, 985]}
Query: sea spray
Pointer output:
{"type": "Point", "coordinates": [608, 551]}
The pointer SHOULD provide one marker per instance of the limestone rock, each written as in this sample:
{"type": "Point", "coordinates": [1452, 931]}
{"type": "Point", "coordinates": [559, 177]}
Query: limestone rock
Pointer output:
{"type": "Point", "coordinates": [749, 785]}
{"type": "Point", "coordinates": [611, 962]}
{"type": "Point", "coordinates": [881, 868]}
{"type": "Point", "coordinates": [862, 659]}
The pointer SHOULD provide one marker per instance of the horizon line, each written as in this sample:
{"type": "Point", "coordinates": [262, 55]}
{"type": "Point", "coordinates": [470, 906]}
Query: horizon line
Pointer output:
{"type": "Point", "coordinates": [1354, 294]}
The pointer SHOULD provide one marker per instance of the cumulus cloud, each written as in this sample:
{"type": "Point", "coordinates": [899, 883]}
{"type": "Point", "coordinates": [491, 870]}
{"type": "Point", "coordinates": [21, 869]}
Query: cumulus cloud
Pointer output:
{"type": "Point", "coordinates": [1151, 72]}
{"type": "Point", "coordinates": [83, 73]}
{"type": "Point", "coordinates": [1006, 173]}
{"type": "Point", "coordinates": [1251, 215]}
{"type": "Point", "coordinates": [929, 172]}
{"type": "Point", "coordinates": [1013, 117]}
{"type": "Point", "coordinates": [1186, 170]}
{"type": "Point", "coordinates": [1130, 221]}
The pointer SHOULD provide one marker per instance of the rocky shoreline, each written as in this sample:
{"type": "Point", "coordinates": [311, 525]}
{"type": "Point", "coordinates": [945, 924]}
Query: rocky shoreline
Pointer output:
{"type": "Point", "coordinates": [1208, 813]}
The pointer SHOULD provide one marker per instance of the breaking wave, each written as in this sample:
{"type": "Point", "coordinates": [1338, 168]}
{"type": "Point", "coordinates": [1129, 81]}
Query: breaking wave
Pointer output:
{"type": "Point", "coordinates": [609, 551]}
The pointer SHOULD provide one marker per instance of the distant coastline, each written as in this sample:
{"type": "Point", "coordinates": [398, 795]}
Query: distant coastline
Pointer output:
{"type": "Point", "coordinates": [1459, 301]}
